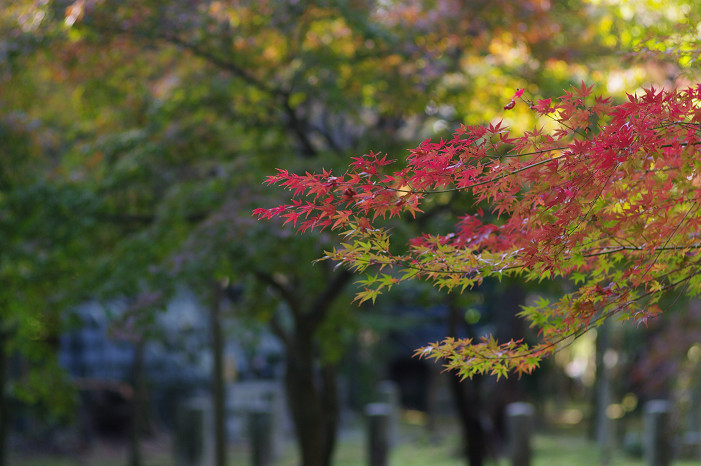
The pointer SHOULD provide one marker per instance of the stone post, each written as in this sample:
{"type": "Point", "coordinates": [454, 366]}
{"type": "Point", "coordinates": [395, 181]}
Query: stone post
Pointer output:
{"type": "Point", "coordinates": [378, 415]}
{"type": "Point", "coordinates": [192, 433]}
{"type": "Point", "coordinates": [260, 429]}
{"type": "Point", "coordinates": [388, 392]}
{"type": "Point", "coordinates": [657, 444]}
{"type": "Point", "coordinates": [519, 425]}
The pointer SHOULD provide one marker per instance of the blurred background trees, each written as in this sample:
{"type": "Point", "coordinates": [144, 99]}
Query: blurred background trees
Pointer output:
{"type": "Point", "coordinates": [135, 136]}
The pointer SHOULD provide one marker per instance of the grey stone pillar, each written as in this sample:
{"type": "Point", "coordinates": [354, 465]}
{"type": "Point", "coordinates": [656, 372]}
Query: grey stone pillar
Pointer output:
{"type": "Point", "coordinates": [690, 446]}
{"type": "Point", "coordinates": [519, 426]}
{"type": "Point", "coordinates": [657, 437]}
{"type": "Point", "coordinates": [378, 415]}
{"type": "Point", "coordinates": [388, 392]}
{"type": "Point", "coordinates": [192, 436]}
{"type": "Point", "coordinates": [260, 429]}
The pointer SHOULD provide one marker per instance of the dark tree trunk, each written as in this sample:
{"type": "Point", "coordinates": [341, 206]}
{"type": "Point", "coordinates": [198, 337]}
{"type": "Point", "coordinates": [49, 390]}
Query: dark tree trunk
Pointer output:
{"type": "Point", "coordinates": [603, 395]}
{"type": "Point", "coordinates": [313, 400]}
{"type": "Point", "coordinates": [310, 383]}
{"type": "Point", "coordinates": [511, 296]}
{"type": "Point", "coordinates": [601, 344]}
{"type": "Point", "coordinates": [137, 404]}
{"type": "Point", "coordinates": [474, 438]}
{"type": "Point", "coordinates": [331, 407]}
{"type": "Point", "coordinates": [466, 399]}
{"type": "Point", "coordinates": [218, 383]}
{"type": "Point", "coordinates": [4, 404]}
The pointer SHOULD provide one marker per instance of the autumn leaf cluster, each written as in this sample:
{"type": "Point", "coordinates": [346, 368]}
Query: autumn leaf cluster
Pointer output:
{"type": "Point", "coordinates": [607, 197]}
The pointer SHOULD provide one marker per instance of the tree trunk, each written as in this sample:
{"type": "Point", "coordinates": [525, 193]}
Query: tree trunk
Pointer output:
{"type": "Point", "coordinates": [4, 404]}
{"type": "Point", "coordinates": [313, 401]}
{"type": "Point", "coordinates": [603, 394]}
{"type": "Point", "coordinates": [474, 439]}
{"type": "Point", "coordinates": [310, 382]}
{"type": "Point", "coordinates": [218, 383]}
{"type": "Point", "coordinates": [511, 296]}
{"type": "Point", "coordinates": [465, 396]}
{"type": "Point", "coordinates": [331, 407]}
{"type": "Point", "coordinates": [137, 403]}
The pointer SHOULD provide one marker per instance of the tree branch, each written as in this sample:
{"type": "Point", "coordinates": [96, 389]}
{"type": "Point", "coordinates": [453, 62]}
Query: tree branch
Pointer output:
{"type": "Point", "coordinates": [280, 332]}
{"type": "Point", "coordinates": [223, 64]}
{"type": "Point", "coordinates": [324, 300]}
{"type": "Point", "coordinates": [285, 293]}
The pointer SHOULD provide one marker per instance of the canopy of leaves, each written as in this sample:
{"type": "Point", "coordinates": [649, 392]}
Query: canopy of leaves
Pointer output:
{"type": "Point", "coordinates": [148, 123]}
{"type": "Point", "coordinates": [134, 133]}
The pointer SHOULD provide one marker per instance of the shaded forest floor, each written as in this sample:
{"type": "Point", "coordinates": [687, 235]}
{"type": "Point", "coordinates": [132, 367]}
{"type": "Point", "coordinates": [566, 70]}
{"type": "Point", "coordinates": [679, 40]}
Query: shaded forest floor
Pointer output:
{"type": "Point", "coordinates": [417, 447]}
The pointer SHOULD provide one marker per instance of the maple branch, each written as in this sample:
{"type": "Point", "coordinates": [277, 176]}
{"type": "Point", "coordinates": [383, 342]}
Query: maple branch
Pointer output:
{"type": "Point", "coordinates": [515, 172]}
{"type": "Point", "coordinates": [562, 216]}
{"type": "Point", "coordinates": [525, 154]}
{"type": "Point", "coordinates": [585, 328]}
{"type": "Point", "coordinates": [639, 248]}
{"type": "Point", "coordinates": [592, 203]}
{"type": "Point", "coordinates": [669, 238]}
{"type": "Point", "coordinates": [395, 262]}
{"type": "Point", "coordinates": [679, 123]}
{"type": "Point", "coordinates": [481, 183]}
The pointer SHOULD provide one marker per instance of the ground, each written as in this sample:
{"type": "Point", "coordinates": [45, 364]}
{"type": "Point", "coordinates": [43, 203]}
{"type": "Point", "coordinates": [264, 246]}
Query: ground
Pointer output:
{"type": "Point", "coordinates": [417, 448]}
